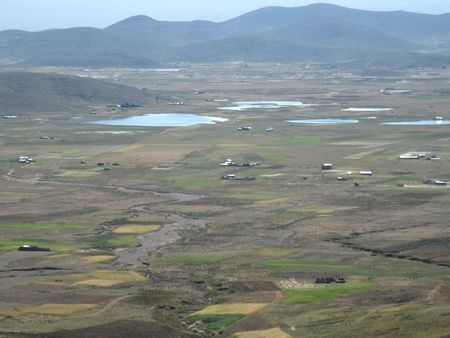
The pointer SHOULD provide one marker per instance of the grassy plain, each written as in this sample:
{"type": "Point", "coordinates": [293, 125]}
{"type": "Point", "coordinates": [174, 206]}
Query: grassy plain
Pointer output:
{"type": "Point", "coordinates": [174, 239]}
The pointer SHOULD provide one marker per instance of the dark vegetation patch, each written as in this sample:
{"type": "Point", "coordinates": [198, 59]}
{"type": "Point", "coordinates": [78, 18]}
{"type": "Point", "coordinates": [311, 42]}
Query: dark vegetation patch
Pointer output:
{"type": "Point", "coordinates": [379, 297]}
{"type": "Point", "coordinates": [146, 297]}
{"type": "Point", "coordinates": [223, 202]}
{"type": "Point", "coordinates": [442, 294]}
{"type": "Point", "coordinates": [392, 201]}
{"type": "Point", "coordinates": [253, 286]}
{"type": "Point", "coordinates": [251, 157]}
{"type": "Point", "coordinates": [119, 329]}
{"type": "Point", "coordinates": [409, 197]}
{"type": "Point", "coordinates": [413, 245]}
{"type": "Point", "coordinates": [194, 259]}
{"type": "Point", "coordinates": [31, 294]}
{"type": "Point", "coordinates": [217, 321]}
{"type": "Point", "coordinates": [30, 218]}
{"type": "Point", "coordinates": [347, 243]}
{"type": "Point", "coordinates": [49, 268]}
{"type": "Point", "coordinates": [310, 275]}
{"type": "Point", "coordinates": [289, 264]}
{"type": "Point", "coordinates": [127, 221]}
{"type": "Point", "coordinates": [251, 323]}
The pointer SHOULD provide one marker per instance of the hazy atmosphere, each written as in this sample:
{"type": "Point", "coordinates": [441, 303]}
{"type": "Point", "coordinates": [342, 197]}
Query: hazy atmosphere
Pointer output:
{"type": "Point", "coordinates": [45, 14]}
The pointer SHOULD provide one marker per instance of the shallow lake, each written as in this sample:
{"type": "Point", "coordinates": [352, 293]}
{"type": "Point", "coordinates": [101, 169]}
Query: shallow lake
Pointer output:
{"type": "Point", "coordinates": [418, 123]}
{"type": "Point", "coordinates": [324, 121]}
{"type": "Point", "coordinates": [396, 91]}
{"type": "Point", "coordinates": [248, 105]}
{"type": "Point", "coordinates": [163, 120]}
{"type": "Point", "coordinates": [351, 109]}
{"type": "Point", "coordinates": [169, 70]}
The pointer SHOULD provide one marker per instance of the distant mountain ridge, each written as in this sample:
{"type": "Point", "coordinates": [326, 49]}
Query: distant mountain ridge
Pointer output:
{"type": "Point", "coordinates": [320, 33]}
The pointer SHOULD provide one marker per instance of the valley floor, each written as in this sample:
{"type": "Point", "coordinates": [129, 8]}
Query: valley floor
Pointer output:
{"type": "Point", "coordinates": [147, 240]}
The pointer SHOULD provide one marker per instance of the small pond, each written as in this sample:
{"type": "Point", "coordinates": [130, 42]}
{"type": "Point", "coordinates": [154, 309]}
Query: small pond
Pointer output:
{"type": "Point", "coordinates": [324, 121]}
{"type": "Point", "coordinates": [418, 123]}
{"type": "Point", "coordinates": [248, 105]}
{"type": "Point", "coordinates": [351, 109]}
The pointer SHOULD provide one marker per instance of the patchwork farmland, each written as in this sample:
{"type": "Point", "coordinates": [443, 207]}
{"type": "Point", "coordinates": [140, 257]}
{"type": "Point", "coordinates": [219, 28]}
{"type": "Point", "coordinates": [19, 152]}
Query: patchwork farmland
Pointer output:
{"type": "Point", "coordinates": [131, 230]}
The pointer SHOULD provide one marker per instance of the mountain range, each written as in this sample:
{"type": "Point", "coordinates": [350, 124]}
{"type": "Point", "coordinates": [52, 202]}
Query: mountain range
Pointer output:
{"type": "Point", "coordinates": [320, 33]}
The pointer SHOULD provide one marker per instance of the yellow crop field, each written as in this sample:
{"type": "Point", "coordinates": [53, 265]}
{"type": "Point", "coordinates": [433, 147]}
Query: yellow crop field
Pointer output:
{"type": "Point", "coordinates": [58, 256]}
{"type": "Point", "coordinates": [136, 229]}
{"type": "Point", "coordinates": [78, 173]}
{"type": "Point", "coordinates": [98, 259]}
{"type": "Point", "coordinates": [320, 210]}
{"type": "Point", "coordinates": [100, 282]}
{"type": "Point", "coordinates": [239, 308]}
{"type": "Point", "coordinates": [59, 309]}
{"type": "Point", "coordinates": [105, 278]}
{"type": "Point", "coordinates": [272, 333]}
{"type": "Point", "coordinates": [129, 148]}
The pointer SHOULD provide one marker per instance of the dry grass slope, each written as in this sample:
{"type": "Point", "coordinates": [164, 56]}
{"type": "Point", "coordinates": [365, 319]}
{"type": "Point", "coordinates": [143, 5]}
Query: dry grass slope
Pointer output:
{"type": "Point", "coordinates": [59, 309]}
{"type": "Point", "coordinates": [237, 308]}
{"type": "Point", "coordinates": [136, 229]}
{"type": "Point", "coordinates": [272, 333]}
{"type": "Point", "coordinates": [104, 278]}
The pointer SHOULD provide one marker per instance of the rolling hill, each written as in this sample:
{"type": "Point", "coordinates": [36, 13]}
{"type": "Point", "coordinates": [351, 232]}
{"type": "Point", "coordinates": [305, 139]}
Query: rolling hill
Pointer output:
{"type": "Point", "coordinates": [419, 28]}
{"type": "Point", "coordinates": [25, 92]}
{"type": "Point", "coordinates": [76, 47]}
{"type": "Point", "coordinates": [314, 33]}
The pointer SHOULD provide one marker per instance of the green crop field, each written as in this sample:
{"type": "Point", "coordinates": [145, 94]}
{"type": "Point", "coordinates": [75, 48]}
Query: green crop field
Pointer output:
{"type": "Point", "coordinates": [111, 241]}
{"type": "Point", "coordinates": [325, 293]}
{"type": "Point", "coordinates": [289, 264]}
